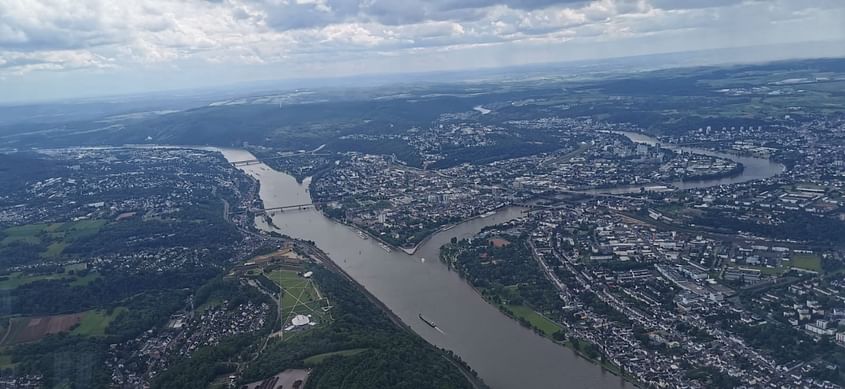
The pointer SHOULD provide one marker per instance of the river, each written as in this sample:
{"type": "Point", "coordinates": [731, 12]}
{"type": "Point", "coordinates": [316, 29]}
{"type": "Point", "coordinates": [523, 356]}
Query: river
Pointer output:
{"type": "Point", "coordinates": [753, 168]}
{"type": "Point", "coordinates": [505, 354]}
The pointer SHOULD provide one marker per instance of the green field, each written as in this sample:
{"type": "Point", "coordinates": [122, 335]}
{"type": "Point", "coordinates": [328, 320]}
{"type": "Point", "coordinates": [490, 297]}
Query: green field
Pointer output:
{"type": "Point", "coordinates": [537, 320]}
{"type": "Point", "coordinates": [807, 261]}
{"type": "Point", "coordinates": [319, 358]}
{"type": "Point", "coordinates": [94, 322]}
{"type": "Point", "coordinates": [53, 236]}
{"type": "Point", "coordinates": [17, 279]}
{"type": "Point", "coordinates": [6, 361]}
{"type": "Point", "coordinates": [54, 249]}
{"type": "Point", "coordinates": [300, 297]}
{"type": "Point", "coordinates": [85, 280]}
{"type": "Point", "coordinates": [25, 234]}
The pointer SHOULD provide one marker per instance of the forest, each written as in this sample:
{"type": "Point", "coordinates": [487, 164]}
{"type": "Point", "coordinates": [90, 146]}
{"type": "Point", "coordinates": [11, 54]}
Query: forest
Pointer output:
{"type": "Point", "coordinates": [395, 357]}
{"type": "Point", "coordinates": [62, 296]}
{"type": "Point", "coordinates": [74, 361]}
{"type": "Point", "coordinates": [796, 225]}
{"type": "Point", "coordinates": [16, 169]}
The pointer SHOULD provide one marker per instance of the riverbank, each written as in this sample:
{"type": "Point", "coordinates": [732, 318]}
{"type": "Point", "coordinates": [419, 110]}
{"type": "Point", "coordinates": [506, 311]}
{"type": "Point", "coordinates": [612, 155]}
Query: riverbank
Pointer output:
{"type": "Point", "coordinates": [753, 168]}
{"type": "Point", "coordinates": [423, 241]}
{"type": "Point", "coordinates": [456, 361]}
{"type": "Point", "coordinates": [450, 226]}
{"type": "Point", "coordinates": [504, 353]}
{"type": "Point", "coordinates": [577, 346]}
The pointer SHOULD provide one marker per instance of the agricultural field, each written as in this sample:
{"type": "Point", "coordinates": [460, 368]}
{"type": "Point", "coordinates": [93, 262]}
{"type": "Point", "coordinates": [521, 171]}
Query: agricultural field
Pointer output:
{"type": "Point", "coordinates": [34, 328]}
{"type": "Point", "coordinates": [95, 322]}
{"type": "Point", "coordinates": [30, 329]}
{"type": "Point", "coordinates": [17, 279]}
{"type": "Point", "coordinates": [49, 238]}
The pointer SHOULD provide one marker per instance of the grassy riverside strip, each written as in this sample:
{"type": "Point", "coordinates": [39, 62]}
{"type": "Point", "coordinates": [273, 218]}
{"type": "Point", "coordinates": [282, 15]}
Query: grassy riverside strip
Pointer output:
{"type": "Point", "coordinates": [509, 299]}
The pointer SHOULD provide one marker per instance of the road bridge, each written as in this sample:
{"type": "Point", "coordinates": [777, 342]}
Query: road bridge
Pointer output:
{"type": "Point", "coordinates": [283, 208]}
{"type": "Point", "coordinates": [291, 155]}
{"type": "Point", "coordinates": [298, 207]}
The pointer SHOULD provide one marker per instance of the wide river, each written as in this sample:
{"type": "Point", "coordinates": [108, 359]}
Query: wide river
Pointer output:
{"type": "Point", "coordinates": [504, 354]}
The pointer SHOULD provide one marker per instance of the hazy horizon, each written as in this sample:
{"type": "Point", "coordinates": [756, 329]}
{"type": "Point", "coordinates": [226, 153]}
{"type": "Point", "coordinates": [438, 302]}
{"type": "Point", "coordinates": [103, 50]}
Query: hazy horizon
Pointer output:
{"type": "Point", "coordinates": [55, 50]}
{"type": "Point", "coordinates": [573, 68]}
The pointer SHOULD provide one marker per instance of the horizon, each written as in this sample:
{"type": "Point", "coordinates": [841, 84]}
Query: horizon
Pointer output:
{"type": "Point", "coordinates": [55, 52]}
{"type": "Point", "coordinates": [682, 59]}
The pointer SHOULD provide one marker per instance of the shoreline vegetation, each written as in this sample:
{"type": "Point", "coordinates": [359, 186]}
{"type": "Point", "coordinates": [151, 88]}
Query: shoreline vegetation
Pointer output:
{"type": "Point", "coordinates": [734, 172]}
{"type": "Point", "coordinates": [576, 345]}
{"type": "Point", "coordinates": [465, 369]}
{"type": "Point", "coordinates": [573, 344]}
{"type": "Point", "coordinates": [455, 360]}
{"type": "Point", "coordinates": [527, 317]}
{"type": "Point", "coordinates": [413, 250]}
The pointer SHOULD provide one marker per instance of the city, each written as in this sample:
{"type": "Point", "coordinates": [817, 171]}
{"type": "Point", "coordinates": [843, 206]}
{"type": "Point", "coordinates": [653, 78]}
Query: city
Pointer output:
{"type": "Point", "coordinates": [597, 194]}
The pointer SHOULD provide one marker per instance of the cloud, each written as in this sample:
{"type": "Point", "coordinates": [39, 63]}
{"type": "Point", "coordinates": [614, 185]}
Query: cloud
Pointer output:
{"type": "Point", "coordinates": [692, 4]}
{"type": "Point", "coordinates": [22, 63]}
{"type": "Point", "coordinates": [148, 35]}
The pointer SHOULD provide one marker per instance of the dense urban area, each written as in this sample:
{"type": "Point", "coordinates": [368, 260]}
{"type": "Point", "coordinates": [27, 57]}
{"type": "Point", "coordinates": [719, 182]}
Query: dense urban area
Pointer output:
{"type": "Point", "coordinates": [678, 228]}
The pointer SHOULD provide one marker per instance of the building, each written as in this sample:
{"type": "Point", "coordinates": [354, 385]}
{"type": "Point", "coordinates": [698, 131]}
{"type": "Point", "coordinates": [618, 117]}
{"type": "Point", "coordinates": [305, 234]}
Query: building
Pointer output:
{"type": "Point", "coordinates": [820, 327]}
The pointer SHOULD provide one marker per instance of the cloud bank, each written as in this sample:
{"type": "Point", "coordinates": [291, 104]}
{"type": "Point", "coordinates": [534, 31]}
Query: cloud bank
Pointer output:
{"type": "Point", "coordinates": [298, 38]}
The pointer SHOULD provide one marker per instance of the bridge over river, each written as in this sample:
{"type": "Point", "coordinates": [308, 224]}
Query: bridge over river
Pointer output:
{"type": "Point", "coordinates": [282, 208]}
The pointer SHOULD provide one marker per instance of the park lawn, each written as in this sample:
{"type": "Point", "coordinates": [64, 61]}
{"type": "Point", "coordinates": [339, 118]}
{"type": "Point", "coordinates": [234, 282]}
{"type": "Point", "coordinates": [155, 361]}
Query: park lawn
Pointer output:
{"type": "Point", "coordinates": [807, 262]}
{"type": "Point", "coordinates": [537, 320]}
{"type": "Point", "coordinates": [320, 358]}
{"type": "Point", "coordinates": [297, 288]}
{"type": "Point", "coordinates": [94, 322]}
{"type": "Point", "coordinates": [300, 296]}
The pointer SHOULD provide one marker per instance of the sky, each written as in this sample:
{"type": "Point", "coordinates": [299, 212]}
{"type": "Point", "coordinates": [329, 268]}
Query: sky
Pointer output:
{"type": "Point", "coordinates": [51, 49]}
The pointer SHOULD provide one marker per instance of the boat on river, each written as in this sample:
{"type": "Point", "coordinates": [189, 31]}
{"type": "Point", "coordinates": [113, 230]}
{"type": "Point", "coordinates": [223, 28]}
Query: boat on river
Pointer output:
{"type": "Point", "coordinates": [426, 321]}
